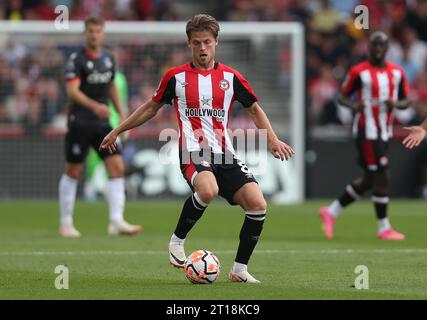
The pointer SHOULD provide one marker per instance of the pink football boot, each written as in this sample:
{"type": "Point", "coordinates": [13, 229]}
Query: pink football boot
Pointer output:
{"type": "Point", "coordinates": [328, 222]}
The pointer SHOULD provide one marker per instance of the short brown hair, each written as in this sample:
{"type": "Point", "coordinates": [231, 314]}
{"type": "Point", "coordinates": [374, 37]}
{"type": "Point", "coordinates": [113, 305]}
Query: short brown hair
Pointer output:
{"type": "Point", "coordinates": [94, 20]}
{"type": "Point", "coordinates": [202, 22]}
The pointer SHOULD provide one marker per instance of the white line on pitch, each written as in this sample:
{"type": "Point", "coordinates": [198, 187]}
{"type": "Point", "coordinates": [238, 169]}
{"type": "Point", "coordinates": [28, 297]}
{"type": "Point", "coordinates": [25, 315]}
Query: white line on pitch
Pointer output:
{"type": "Point", "coordinates": [151, 252]}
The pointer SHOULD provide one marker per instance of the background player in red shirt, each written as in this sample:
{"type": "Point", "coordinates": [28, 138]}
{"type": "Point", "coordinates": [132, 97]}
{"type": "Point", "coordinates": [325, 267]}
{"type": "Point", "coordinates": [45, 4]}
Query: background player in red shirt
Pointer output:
{"type": "Point", "coordinates": [380, 87]}
{"type": "Point", "coordinates": [202, 92]}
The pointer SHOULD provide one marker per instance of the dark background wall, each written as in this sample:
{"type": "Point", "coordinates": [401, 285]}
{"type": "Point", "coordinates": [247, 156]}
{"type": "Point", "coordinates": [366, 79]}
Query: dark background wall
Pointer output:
{"type": "Point", "coordinates": [336, 165]}
{"type": "Point", "coordinates": [30, 168]}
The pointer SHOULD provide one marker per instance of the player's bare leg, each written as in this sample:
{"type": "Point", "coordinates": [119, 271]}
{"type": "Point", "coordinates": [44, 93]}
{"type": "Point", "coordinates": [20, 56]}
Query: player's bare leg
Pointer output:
{"type": "Point", "coordinates": [205, 190]}
{"type": "Point", "coordinates": [380, 200]}
{"type": "Point", "coordinates": [351, 193]}
{"type": "Point", "coordinates": [67, 198]}
{"type": "Point", "coordinates": [251, 199]}
{"type": "Point", "coordinates": [116, 198]}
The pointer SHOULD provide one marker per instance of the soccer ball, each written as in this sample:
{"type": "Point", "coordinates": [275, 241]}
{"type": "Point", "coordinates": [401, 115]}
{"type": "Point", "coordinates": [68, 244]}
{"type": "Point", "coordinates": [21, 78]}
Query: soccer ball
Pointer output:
{"type": "Point", "coordinates": [202, 266]}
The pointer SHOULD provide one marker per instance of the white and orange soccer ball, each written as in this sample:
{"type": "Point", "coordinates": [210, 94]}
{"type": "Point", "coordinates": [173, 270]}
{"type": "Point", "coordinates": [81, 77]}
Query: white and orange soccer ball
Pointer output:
{"type": "Point", "coordinates": [202, 266]}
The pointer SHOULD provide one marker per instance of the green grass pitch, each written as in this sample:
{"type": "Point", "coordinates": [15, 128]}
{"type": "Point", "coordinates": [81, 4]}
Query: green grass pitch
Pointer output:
{"type": "Point", "coordinates": [293, 259]}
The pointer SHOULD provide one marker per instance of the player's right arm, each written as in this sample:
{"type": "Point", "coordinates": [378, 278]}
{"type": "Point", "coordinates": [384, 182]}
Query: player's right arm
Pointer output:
{"type": "Point", "coordinates": [416, 135]}
{"type": "Point", "coordinates": [351, 84]}
{"type": "Point", "coordinates": [356, 106]}
{"type": "Point", "coordinates": [141, 115]}
{"type": "Point", "coordinates": [76, 95]}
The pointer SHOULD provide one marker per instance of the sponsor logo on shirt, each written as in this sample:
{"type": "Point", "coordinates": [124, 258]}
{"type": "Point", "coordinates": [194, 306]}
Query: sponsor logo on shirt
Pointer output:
{"type": "Point", "coordinates": [98, 77]}
{"type": "Point", "coordinates": [108, 63]}
{"type": "Point", "coordinates": [219, 114]}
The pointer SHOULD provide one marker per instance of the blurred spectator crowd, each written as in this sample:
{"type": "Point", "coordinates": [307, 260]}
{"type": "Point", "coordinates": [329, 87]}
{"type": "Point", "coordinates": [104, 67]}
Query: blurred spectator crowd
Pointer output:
{"type": "Point", "coordinates": [17, 10]}
{"type": "Point", "coordinates": [32, 97]}
{"type": "Point", "coordinates": [332, 45]}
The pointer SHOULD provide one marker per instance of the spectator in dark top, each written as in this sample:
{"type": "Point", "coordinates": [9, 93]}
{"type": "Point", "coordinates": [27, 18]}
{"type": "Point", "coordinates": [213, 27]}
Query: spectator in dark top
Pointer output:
{"type": "Point", "coordinates": [417, 19]}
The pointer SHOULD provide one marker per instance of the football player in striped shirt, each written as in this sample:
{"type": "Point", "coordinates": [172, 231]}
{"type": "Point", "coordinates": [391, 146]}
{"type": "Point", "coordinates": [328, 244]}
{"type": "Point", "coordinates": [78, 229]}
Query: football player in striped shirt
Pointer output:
{"type": "Point", "coordinates": [202, 92]}
{"type": "Point", "coordinates": [380, 87]}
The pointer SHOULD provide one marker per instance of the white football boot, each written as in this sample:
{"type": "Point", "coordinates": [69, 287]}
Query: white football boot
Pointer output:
{"type": "Point", "coordinates": [122, 228]}
{"type": "Point", "coordinates": [242, 276]}
{"type": "Point", "coordinates": [177, 254]}
{"type": "Point", "coordinates": [68, 231]}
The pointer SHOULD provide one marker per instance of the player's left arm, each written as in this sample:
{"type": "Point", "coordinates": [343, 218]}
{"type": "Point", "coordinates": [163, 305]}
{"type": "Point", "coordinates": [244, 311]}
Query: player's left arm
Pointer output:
{"type": "Point", "coordinates": [247, 97]}
{"type": "Point", "coordinates": [403, 100]}
{"type": "Point", "coordinates": [278, 148]}
{"type": "Point", "coordinates": [399, 104]}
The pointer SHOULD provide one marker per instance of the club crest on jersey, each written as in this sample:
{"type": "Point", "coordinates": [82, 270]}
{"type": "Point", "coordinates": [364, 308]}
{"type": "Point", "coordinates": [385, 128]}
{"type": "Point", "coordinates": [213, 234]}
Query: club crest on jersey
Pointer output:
{"type": "Point", "coordinates": [89, 64]}
{"type": "Point", "coordinates": [108, 63]}
{"type": "Point", "coordinates": [76, 149]}
{"type": "Point", "coordinates": [224, 84]}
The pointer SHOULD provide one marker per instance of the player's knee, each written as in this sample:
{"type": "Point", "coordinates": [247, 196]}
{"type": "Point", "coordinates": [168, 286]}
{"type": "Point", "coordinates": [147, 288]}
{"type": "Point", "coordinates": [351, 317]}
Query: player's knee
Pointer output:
{"type": "Point", "coordinates": [363, 184]}
{"type": "Point", "coordinates": [257, 204]}
{"type": "Point", "coordinates": [208, 194]}
{"type": "Point", "coordinates": [368, 182]}
{"type": "Point", "coordinates": [73, 172]}
{"type": "Point", "coordinates": [380, 190]}
{"type": "Point", "coordinates": [381, 180]}
{"type": "Point", "coordinates": [119, 170]}
{"type": "Point", "coordinates": [115, 168]}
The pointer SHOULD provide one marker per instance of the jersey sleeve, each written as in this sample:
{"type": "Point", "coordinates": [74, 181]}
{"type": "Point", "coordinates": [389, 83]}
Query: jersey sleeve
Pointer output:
{"type": "Point", "coordinates": [243, 92]}
{"type": "Point", "coordinates": [73, 68]}
{"type": "Point", "coordinates": [351, 82]}
{"type": "Point", "coordinates": [403, 87]}
{"type": "Point", "coordinates": [166, 90]}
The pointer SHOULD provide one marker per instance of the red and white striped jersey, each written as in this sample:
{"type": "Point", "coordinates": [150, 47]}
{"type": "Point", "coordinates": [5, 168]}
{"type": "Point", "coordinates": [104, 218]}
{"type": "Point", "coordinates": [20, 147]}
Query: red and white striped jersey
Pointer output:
{"type": "Point", "coordinates": [203, 100]}
{"type": "Point", "coordinates": [374, 86]}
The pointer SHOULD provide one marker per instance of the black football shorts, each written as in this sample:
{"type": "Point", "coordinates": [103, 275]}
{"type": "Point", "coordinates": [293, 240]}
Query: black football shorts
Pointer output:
{"type": "Point", "coordinates": [230, 177]}
{"type": "Point", "coordinates": [372, 154]}
{"type": "Point", "coordinates": [79, 138]}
